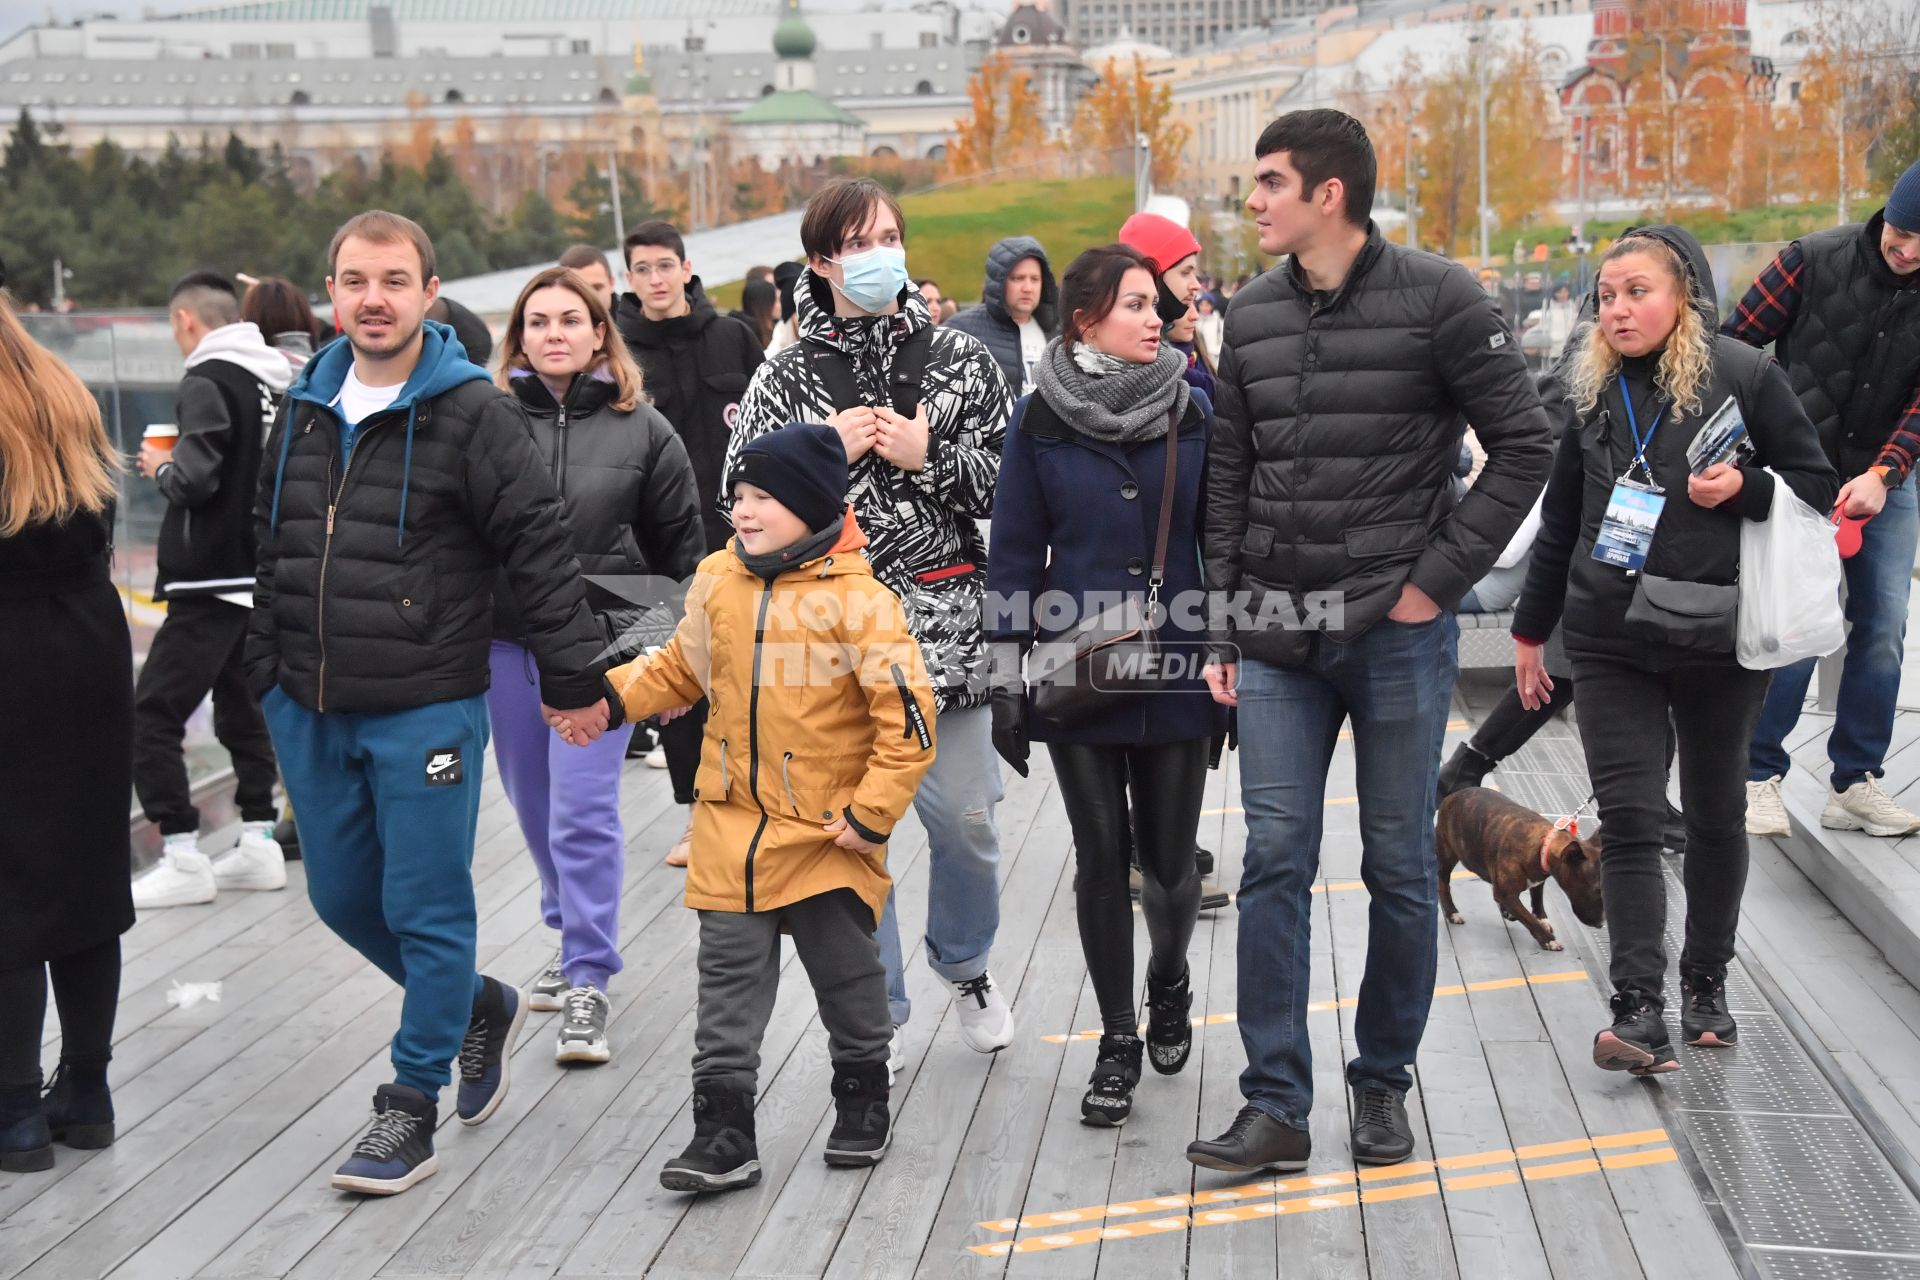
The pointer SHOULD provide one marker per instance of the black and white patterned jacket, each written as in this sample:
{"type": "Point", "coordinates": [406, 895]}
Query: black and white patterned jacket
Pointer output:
{"type": "Point", "coordinates": [924, 539]}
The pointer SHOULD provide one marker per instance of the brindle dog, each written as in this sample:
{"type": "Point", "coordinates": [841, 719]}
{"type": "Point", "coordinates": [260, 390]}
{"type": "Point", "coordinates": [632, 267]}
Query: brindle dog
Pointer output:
{"type": "Point", "coordinates": [1513, 849]}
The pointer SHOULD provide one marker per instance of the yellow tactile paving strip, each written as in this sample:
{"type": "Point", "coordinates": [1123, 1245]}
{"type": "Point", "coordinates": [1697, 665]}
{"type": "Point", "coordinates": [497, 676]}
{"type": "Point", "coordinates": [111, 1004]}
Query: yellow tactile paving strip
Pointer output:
{"type": "Point", "coordinates": [1348, 1002]}
{"type": "Point", "coordinates": [1336, 1190]}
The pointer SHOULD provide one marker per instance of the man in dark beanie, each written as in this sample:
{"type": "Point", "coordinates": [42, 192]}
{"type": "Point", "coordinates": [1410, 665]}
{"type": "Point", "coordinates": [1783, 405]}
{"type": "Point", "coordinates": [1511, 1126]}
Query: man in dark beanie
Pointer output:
{"type": "Point", "coordinates": [1842, 310]}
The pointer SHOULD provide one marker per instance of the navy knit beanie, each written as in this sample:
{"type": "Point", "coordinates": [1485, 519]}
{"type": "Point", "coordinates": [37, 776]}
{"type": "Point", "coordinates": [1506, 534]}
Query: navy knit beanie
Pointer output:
{"type": "Point", "coordinates": [1903, 206]}
{"type": "Point", "coordinates": [803, 465]}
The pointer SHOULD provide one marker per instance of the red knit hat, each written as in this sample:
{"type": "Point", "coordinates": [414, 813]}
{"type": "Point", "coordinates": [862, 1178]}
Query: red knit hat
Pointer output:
{"type": "Point", "coordinates": [1163, 240]}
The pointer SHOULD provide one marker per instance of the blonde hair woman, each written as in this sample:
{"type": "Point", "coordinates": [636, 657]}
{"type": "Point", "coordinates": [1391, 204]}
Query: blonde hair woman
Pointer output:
{"type": "Point", "coordinates": [633, 511]}
{"type": "Point", "coordinates": [1637, 560]}
{"type": "Point", "coordinates": [66, 754]}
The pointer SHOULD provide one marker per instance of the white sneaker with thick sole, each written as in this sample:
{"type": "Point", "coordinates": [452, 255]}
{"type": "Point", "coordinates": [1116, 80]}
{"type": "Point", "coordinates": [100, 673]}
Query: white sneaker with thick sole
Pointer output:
{"type": "Point", "coordinates": [985, 1019]}
{"type": "Point", "coordinates": [657, 758]}
{"type": "Point", "coordinates": [182, 878]}
{"type": "Point", "coordinates": [1865, 807]}
{"type": "Point", "coordinates": [583, 1035]}
{"type": "Point", "coordinates": [255, 863]}
{"type": "Point", "coordinates": [1766, 812]}
{"type": "Point", "coordinates": [548, 991]}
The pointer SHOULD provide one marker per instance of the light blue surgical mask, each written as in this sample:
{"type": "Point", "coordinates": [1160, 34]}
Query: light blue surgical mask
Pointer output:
{"type": "Point", "coordinates": [873, 279]}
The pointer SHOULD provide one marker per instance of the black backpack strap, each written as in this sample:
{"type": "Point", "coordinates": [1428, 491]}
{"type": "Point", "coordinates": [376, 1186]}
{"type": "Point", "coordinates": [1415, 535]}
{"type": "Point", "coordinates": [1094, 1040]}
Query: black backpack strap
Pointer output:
{"type": "Point", "coordinates": [835, 372]}
{"type": "Point", "coordinates": [910, 370]}
{"type": "Point", "coordinates": [905, 388]}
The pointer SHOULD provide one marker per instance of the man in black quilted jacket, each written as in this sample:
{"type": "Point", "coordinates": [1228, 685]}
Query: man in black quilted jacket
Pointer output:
{"type": "Point", "coordinates": [1348, 376]}
{"type": "Point", "coordinates": [398, 482]}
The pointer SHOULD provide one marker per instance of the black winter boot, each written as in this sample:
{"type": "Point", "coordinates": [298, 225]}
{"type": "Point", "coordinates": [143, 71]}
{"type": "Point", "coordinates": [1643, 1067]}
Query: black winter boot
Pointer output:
{"type": "Point", "coordinates": [1169, 1023]}
{"type": "Point", "coordinates": [861, 1125]}
{"type": "Point", "coordinates": [79, 1107]}
{"type": "Point", "coordinates": [722, 1155]}
{"type": "Point", "coordinates": [25, 1144]}
{"type": "Point", "coordinates": [1466, 767]}
{"type": "Point", "coordinates": [1109, 1099]}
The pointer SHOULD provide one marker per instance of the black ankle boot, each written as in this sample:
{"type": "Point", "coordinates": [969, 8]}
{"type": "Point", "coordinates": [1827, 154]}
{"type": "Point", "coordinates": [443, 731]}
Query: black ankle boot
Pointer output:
{"type": "Point", "coordinates": [1116, 1071]}
{"type": "Point", "coordinates": [1169, 1024]}
{"type": "Point", "coordinates": [1704, 1019]}
{"type": "Point", "coordinates": [1466, 767]}
{"type": "Point", "coordinates": [79, 1107]}
{"type": "Point", "coordinates": [1637, 1041]}
{"type": "Point", "coordinates": [1673, 832]}
{"type": "Point", "coordinates": [723, 1154]}
{"type": "Point", "coordinates": [25, 1144]}
{"type": "Point", "coordinates": [861, 1124]}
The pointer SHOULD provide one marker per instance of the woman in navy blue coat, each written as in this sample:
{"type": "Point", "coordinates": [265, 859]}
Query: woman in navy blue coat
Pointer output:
{"type": "Point", "coordinates": [1074, 519]}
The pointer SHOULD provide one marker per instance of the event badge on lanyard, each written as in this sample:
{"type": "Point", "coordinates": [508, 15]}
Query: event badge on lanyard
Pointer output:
{"type": "Point", "coordinates": [1633, 510]}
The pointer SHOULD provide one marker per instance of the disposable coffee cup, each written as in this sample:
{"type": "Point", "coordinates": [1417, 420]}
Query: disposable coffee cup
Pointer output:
{"type": "Point", "coordinates": [162, 435]}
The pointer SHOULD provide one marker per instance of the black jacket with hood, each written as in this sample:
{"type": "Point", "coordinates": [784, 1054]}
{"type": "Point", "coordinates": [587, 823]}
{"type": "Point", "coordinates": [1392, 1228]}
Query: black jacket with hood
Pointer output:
{"type": "Point", "coordinates": [1565, 584]}
{"type": "Point", "coordinates": [990, 322]}
{"type": "Point", "coordinates": [1337, 427]}
{"type": "Point", "coordinates": [696, 367]}
{"type": "Point", "coordinates": [631, 505]}
{"type": "Point", "coordinates": [223, 408]}
{"type": "Point", "coordinates": [374, 586]}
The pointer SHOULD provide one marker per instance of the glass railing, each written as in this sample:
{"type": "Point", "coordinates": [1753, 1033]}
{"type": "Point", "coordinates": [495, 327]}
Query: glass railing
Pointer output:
{"type": "Point", "coordinates": [129, 361]}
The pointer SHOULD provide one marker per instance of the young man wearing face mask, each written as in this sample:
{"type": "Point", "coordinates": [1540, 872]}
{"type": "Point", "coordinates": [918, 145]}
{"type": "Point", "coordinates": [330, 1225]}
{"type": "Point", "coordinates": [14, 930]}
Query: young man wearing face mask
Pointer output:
{"type": "Point", "coordinates": [922, 411]}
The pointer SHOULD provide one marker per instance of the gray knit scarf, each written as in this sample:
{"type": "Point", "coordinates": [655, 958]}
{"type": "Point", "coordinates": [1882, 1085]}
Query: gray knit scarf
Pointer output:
{"type": "Point", "coordinates": [1127, 406]}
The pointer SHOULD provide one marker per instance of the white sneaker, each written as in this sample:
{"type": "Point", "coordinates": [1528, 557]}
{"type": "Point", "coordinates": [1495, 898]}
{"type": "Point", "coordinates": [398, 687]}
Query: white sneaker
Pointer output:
{"type": "Point", "coordinates": [255, 863]}
{"type": "Point", "coordinates": [657, 758]}
{"type": "Point", "coordinates": [1766, 812]}
{"type": "Point", "coordinates": [896, 1056]}
{"type": "Point", "coordinates": [182, 877]}
{"type": "Point", "coordinates": [1865, 807]}
{"type": "Point", "coordinates": [583, 1034]}
{"type": "Point", "coordinates": [985, 1019]}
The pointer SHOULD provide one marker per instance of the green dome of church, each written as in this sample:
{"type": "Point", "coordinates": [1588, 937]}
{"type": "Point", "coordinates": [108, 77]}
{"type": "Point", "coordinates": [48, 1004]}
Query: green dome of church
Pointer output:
{"type": "Point", "coordinates": [793, 38]}
{"type": "Point", "coordinates": [639, 85]}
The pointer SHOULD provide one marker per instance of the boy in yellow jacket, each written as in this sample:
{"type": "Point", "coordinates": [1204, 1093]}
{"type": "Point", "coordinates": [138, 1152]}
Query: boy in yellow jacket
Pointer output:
{"type": "Point", "coordinates": [820, 727]}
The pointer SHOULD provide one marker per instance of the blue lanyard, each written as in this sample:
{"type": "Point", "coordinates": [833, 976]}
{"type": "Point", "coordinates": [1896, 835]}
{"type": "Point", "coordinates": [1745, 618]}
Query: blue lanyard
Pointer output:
{"type": "Point", "coordinates": [1639, 443]}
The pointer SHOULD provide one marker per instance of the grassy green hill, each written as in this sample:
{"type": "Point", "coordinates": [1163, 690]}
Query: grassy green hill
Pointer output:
{"type": "Point", "coordinates": [949, 232]}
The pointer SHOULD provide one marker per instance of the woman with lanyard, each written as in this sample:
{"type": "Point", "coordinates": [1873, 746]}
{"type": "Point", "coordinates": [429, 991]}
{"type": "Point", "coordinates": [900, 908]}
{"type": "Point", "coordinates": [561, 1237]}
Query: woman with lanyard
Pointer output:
{"type": "Point", "coordinates": [1638, 559]}
{"type": "Point", "coordinates": [1091, 506]}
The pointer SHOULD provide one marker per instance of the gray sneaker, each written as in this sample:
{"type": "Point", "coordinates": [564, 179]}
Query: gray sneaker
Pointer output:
{"type": "Point", "coordinates": [583, 1035]}
{"type": "Point", "coordinates": [548, 989]}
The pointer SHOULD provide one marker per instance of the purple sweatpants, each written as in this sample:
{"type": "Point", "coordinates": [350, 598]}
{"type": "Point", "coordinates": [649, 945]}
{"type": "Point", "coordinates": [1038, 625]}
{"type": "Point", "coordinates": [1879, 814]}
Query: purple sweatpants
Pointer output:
{"type": "Point", "coordinates": [568, 802]}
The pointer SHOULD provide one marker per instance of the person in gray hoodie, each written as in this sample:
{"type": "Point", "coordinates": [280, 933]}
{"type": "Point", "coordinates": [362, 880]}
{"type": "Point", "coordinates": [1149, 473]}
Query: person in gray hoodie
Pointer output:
{"type": "Point", "coordinates": [206, 563]}
{"type": "Point", "coordinates": [1015, 318]}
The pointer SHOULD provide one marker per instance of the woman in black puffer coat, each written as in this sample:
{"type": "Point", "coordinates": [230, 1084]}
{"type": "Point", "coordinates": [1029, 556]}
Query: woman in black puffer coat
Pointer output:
{"type": "Point", "coordinates": [1641, 383]}
{"type": "Point", "coordinates": [634, 515]}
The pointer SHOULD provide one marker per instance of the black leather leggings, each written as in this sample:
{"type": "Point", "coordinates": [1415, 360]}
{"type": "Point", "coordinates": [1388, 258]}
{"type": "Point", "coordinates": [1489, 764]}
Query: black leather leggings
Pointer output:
{"type": "Point", "coordinates": [1167, 783]}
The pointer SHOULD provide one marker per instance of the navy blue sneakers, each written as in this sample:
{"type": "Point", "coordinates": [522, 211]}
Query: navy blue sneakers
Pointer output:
{"type": "Point", "coordinates": [397, 1150]}
{"type": "Point", "coordinates": [497, 1016]}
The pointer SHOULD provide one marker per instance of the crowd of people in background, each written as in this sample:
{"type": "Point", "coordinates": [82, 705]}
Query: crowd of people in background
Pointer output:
{"type": "Point", "coordinates": [788, 553]}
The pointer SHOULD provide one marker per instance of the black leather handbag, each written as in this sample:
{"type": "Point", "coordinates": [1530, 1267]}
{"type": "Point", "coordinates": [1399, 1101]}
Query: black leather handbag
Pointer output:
{"type": "Point", "coordinates": [1114, 656]}
{"type": "Point", "coordinates": [1701, 616]}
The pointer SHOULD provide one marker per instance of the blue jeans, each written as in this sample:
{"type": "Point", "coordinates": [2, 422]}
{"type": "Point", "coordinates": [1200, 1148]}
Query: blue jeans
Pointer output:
{"type": "Point", "coordinates": [1395, 683]}
{"type": "Point", "coordinates": [1879, 579]}
{"type": "Point", "coordinates": [955, 802]}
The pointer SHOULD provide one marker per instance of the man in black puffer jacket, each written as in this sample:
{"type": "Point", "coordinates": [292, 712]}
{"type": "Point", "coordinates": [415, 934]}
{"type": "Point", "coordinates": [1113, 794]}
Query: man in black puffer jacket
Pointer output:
{"type": "Point", "coordinates": [398, 482]}
{"type": "Point", "coordinates": [1842, 310]}
{"type": "Point", "coordinates": [1016, 316]}
{"type": "Point", "coordinates": [1349, 375]}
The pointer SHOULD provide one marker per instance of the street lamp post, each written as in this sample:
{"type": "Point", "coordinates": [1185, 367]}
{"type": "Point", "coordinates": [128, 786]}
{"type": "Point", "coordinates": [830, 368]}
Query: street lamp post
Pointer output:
{"type": "Point", "coordinates": [1478, 42]}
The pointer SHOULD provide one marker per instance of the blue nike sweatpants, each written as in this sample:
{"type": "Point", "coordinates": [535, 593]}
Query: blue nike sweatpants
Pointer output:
{"type": "Point", "coordinates": [387, 807]}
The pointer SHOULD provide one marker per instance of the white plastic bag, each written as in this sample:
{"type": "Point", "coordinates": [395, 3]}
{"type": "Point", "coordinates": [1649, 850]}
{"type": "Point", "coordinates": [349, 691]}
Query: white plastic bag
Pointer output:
{"type": "Point", "coordinates": [1789, 585]}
